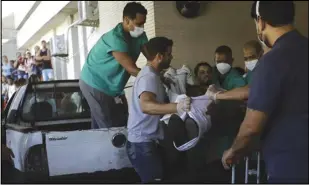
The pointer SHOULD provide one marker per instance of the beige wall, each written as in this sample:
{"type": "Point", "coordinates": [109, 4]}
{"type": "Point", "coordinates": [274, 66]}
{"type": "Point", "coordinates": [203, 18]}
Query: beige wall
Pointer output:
{"type": "Point", "coordinates": [221, 23]}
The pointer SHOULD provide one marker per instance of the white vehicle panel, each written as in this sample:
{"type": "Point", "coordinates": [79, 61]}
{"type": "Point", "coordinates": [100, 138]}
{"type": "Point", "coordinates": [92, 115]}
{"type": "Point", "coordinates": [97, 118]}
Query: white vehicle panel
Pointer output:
{"type": "Point", "coordinates": [20, 143]}
{"type": "Point", "coordinates": [84, 151]}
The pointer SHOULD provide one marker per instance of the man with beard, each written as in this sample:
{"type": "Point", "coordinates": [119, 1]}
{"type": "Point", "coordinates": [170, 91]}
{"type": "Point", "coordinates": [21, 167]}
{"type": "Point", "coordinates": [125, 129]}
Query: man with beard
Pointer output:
{"type": "Point", "coordinates": [203, 75]}
{"type": "Point", "coordinates": [146, 109]}
{"type": "Point", "coordinates": [278, 100]}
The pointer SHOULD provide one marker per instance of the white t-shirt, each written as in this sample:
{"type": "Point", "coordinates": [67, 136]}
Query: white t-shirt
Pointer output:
{"type": "Point", "coordinates": [11, 90]}
{"type": "Point", "coordinates": [4, 88]}
{"type": "Point", "coordinates": [198, 114]}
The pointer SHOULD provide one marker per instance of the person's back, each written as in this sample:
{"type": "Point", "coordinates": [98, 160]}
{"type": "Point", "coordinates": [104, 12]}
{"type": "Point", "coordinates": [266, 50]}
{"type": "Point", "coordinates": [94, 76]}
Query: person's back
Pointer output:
{"type": "Point", "coordinates": [279, 93]}
{"type": "Point", "coordinates": [286, 134]}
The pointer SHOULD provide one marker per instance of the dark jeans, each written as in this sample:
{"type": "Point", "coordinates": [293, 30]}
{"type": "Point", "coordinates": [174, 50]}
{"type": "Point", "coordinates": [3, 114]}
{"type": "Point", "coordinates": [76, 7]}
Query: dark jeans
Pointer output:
{"type": "Point", "coordinates": [105, 111]}
{"type": "Point", "coordinates": [146, 160]}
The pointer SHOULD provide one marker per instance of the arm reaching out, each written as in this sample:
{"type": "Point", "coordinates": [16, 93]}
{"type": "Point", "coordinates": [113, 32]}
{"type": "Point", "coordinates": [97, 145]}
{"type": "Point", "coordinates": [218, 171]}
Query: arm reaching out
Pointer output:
{"type": "Point", "coordinates": [126, 62]}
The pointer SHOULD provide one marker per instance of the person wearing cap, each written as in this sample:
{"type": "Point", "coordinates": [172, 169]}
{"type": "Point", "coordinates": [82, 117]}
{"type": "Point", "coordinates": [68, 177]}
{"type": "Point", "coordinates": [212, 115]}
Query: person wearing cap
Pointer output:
{"type": "Point", "coordinates": [278, 100]}
{"type": "Point", "coordinates": [109, 65]}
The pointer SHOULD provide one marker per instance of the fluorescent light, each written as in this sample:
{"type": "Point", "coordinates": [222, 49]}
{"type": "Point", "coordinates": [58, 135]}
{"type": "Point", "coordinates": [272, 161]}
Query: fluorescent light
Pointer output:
{"type": "Point", "coordinates": [4, 41]}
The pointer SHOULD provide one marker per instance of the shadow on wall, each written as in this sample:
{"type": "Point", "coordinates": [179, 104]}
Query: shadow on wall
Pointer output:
{"type": "Point", "coordinates": [220, 23]}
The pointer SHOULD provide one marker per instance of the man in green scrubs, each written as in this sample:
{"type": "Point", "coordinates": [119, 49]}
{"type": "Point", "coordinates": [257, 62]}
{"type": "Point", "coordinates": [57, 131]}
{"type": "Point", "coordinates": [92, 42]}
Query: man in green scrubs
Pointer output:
{"type": "Point", "coordinates": [224, 75]}
{"type": "Point", "coordinates": [226, 125]}
{"type": "Point", "coordinates": [109, 65]}
{"type": "Point", "coordinates": [252, 50]}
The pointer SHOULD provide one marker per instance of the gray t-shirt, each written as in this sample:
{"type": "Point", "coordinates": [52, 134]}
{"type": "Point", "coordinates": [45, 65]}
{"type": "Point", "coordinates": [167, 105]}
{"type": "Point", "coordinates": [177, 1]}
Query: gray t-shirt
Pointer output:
{"type": "Point", "coordinates": [144, 127]}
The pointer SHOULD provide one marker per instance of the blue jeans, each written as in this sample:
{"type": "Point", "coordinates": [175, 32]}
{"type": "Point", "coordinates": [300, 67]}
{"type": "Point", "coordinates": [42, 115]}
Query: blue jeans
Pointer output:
{"type": "Point", "coordinates": [22, 74]}
{"type": "Point", "coordinates": [146, 161]}
{"type": "Point", "coordinates": [48, 74]}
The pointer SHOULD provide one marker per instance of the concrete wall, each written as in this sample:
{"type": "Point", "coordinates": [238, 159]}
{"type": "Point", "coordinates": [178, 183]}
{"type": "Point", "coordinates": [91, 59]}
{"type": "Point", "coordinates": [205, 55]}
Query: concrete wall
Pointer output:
{"type": "Point", "coordinates": [9, 49]}
{"type": "Point", "coordinates": [221, 23]}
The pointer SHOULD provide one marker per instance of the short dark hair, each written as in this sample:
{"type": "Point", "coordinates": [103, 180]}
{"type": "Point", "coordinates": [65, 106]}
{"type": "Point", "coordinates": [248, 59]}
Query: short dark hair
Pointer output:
{"type": "Point", "coordinates": [275, 13]}
{"type": "Point", "coordinates": [43, 41]}
{"type": "Point", "coordinates": [227, 51]}
{"type": "Point", "coordinates": [132, 8]}
{"type": "Point", "coordinates": [253, 44]}
{"type": "Point", "coordinates": [157, 45]}
{"type": "Point", "coordinates": [197, 67]}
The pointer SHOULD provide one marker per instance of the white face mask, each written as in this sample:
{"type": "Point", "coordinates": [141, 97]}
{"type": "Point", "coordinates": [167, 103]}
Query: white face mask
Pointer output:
{"type": "Point", "coordinates": [250, 65]}
{"type": "Point", "coordinates": [223, 67]}
{"type": "Point", "coordinates": [138, 31]}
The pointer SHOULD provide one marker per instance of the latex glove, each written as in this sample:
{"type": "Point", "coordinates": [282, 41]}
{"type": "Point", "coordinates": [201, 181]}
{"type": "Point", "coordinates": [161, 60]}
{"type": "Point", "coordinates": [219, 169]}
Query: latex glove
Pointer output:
{"type": "Point", "coordinates": [212, 92]}
{"type": "Point", "coordinates": [183, 106]}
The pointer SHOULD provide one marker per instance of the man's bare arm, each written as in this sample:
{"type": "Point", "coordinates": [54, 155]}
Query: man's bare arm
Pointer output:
{"type": "Point", "coordinates": [241, 93]}
{"type": "Point", "coordinates": [149, 105]}
{"type": "Point", "coordinates": [126, 62]}
{"type": "Point", "coordinates": [251, 127]}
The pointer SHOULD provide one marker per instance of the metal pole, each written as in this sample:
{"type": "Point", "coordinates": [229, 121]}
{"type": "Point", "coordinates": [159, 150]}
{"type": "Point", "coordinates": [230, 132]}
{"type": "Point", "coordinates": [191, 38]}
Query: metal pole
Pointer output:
{"type": "Point", "coordinates": [247, 169]}
{"type": "Point", "coordinates": [233, 174]}
{"type": "Point", "coordinates": [258, 168]}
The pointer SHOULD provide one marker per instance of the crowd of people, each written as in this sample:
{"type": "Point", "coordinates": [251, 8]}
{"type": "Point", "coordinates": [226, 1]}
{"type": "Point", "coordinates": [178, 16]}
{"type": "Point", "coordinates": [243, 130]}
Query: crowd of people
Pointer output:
{"type": "Point", "coordinates": [16, 73]}
{"type": "Point", "coordinates": [275, 79]}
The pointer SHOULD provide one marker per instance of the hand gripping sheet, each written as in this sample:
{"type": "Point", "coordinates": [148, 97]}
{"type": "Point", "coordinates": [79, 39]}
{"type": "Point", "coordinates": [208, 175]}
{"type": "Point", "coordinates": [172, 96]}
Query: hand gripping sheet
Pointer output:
{"type": "Point", "coordinates": [198, 114]}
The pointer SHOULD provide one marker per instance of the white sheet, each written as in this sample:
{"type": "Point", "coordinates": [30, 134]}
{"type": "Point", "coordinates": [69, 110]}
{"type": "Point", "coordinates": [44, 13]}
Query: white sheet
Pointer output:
{"type": "Point", "coordinates": [198, 114]}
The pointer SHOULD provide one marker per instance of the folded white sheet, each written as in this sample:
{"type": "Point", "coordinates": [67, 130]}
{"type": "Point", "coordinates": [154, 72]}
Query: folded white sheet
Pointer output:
{"type": "Point", "coordinates": [198, 114]}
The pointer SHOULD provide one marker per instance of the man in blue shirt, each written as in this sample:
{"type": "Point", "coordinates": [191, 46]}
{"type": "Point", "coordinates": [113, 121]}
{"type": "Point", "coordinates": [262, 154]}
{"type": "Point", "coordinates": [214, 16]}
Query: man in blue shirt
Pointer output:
{"type": "Point", "coordinates": [278, 98]}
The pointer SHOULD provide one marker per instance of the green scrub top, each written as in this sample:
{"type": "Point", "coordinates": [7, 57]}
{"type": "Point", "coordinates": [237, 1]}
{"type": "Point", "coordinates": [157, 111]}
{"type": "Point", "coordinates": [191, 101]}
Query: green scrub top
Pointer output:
{"type": "Point", "coordinates": [248, 77]}
{"type": "Point", "coordinates": [101, 70]}
{"type": "Point", "coordinates": [232, 79]}
{"type": "Point", "coordinates": [223, 139]}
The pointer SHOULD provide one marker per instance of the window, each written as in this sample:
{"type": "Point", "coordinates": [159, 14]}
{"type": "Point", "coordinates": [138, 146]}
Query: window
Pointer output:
{"type": "Point", "coordinates": [55, 104]}
{"type": "Point", "coordinates": [15, 104]}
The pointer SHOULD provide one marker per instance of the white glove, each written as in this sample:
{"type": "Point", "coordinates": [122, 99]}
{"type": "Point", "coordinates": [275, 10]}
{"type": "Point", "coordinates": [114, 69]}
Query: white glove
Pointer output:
{"type": "Point", "coordinates": [183, 106]}
{"type": "Point", "coordinates": [212, 92]}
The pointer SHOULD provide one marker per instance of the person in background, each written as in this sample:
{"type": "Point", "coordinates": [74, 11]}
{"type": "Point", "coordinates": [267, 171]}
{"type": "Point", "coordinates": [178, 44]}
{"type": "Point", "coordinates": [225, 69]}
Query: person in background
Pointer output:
{"type": "Point", "coordinates": [20, 66]}
{"type": "Point", "coordinates": [38, 63]}
{"type": "Point", "coordinates": [278, 101]}
{"type": "Point", "coordinates": [252, 51]}
{"type": "Point", "coordinates": [30, 64]}
{"type": "Point", "coordinates": [109, 65]}
{"type": "Point", "coordinates": [224, 75]}
{"type": "Point", "coordinates": [14, 70]}
{"type": "Point", "coordinates": [6, 67]}
{"type": "Point", "coordinates": [45, 59]}
{"type": "Point", "coordinates": [203, 76]}
{"type": "Point", "coordinates": [4, 91]}
{"type": "Point", "coordinates": [11, 87]}
{"type": "Point", "coordinates": [146, 109]}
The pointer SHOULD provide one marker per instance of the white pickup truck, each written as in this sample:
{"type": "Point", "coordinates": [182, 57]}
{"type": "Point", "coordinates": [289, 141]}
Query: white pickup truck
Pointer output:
{"type": "Point", "coordinates": [48, 128]}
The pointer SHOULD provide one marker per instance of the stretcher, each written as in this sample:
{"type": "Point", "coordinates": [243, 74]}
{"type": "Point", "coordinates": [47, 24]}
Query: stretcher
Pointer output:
{"type": "Point", "coordinates": [248, 172]}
